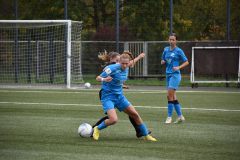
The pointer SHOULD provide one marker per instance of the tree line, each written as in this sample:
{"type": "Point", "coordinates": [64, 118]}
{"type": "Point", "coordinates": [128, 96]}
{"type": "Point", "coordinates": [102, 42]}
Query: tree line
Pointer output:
{"type": "Point", "coordinates": [147, 20]}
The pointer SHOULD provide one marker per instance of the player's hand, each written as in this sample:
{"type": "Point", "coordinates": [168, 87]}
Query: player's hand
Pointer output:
{"type": "Point", "coordinates": [163, 62]}
{"type": "Point", "coordinates": [108, 79]}
{"type": "Point", "coordinates": [142, 55]}
{"type": "Point", "coordinates": [176, 68]}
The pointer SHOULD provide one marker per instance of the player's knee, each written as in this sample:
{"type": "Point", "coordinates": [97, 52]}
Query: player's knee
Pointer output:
{"type": "Point", "coordinates": [113, 120]}
{"type": "Point", "coordinates": [170, 97]}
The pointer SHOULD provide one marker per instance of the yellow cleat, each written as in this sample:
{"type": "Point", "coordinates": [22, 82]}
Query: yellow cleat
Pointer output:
{"type": "Point", "coordinates": [95, 133]}
{"type": "Point", "coordinates": [150, 138]}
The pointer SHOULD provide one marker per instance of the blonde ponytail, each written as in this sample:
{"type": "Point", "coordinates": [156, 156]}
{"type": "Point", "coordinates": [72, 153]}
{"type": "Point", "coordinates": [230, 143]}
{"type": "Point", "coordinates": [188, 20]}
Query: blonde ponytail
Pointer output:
{"type": "Point", "coordinates": [104, 56]}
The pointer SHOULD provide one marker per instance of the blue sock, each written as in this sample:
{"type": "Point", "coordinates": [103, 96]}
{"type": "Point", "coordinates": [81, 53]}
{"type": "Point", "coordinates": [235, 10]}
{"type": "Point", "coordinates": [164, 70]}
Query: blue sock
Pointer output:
{"type": "Point", "coordinates": [143, 129]}
{"type": "Point", "coordinates": [177, 107]}
{"type": "Point", "coordinates": [102, 125]}
{"type": "Point", "coordinates": [170, 108]}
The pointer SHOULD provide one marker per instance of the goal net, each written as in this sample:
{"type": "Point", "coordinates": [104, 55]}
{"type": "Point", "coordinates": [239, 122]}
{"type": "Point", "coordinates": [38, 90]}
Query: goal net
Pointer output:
{"type": "Point", "coordinates": [40, 52]}
{"type": "Point", "coordinates": [215, 65]}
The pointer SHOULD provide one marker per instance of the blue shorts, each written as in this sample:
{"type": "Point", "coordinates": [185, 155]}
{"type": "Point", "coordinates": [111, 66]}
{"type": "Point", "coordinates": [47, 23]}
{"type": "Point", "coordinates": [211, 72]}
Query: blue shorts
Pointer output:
{"type": "Point", "coordinates": [173, 81]}
{"type": "Point", "coordinates": [111, 101]}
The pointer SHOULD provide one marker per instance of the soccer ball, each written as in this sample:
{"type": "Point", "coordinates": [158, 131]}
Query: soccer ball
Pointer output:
{"type": "Point", "coordinates": [87, 85]}
{"type": "Point", "coordinates": [85, 130]}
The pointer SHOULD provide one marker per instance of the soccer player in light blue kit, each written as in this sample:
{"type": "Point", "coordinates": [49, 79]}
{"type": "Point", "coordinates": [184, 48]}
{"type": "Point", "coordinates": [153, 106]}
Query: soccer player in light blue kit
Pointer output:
{"type": "Point", "coordinates": [172, 57]}
{"type": "Point", "coordinates": [113, 58]}
{"type": "Point", "coordinates": [112, 78]}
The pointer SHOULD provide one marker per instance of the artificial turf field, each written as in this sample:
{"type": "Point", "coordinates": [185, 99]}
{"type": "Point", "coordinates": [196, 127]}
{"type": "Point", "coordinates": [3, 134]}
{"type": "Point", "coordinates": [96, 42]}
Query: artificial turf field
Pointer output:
{"type": "Point", "coordinates": [42, 124]}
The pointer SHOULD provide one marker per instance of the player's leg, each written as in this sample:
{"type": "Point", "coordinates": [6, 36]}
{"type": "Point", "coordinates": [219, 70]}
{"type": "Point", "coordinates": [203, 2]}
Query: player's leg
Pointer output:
{"type": "Point", "coordinates": [103, 118]}
{"type": "Point", "coordinates": [178, 109]}
{"type": "Point", "coordinates": [108, 107]}
{"type": "Point", "coordinates": [131, 111]}
{"type": "Point", "coordinates": [170, 105]}
{"type": "Point", "coordinates": [100, 121]}
{"type": "Point", "coordinates": [104, 124]}
{"type": "Point", "coordinates": [135, 126]}
{"type": "Point", "coordinates": [138, 132]}
{"type": "Point", "coordinates": [122, 104]}
{"type": "Point", "coordinates": [175, 83]}
{"type": "Point", "coordinates": [169, 98]}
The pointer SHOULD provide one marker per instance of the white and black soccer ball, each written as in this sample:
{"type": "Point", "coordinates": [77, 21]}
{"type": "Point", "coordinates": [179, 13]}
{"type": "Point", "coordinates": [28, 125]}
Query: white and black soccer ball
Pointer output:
{"type": "Point", "coordinates": [85, 130]}
{"type": "Point", "coordinates": [87, 85]}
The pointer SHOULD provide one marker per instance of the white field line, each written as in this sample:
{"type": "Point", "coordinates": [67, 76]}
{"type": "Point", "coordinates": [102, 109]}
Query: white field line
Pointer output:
{"type": "Point", "coordinates": [88, 91]}
{"type": "Point", "coordinates": [51, 104]}
{"type": "Point", "coordinates": [96, 105]}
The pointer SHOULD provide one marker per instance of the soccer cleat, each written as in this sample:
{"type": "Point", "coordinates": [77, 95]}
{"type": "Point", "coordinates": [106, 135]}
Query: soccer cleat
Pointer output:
{"type": "Point", "coordinates": [139, 134]}
{"type": "Point", "coordinates": [95, 133]}
{"type": "Point", "coordinates": [150, 138]}
{"type": "Point", "coordinates": [180, 119]}
{"type": "Point", "coordinates": [168, 120]}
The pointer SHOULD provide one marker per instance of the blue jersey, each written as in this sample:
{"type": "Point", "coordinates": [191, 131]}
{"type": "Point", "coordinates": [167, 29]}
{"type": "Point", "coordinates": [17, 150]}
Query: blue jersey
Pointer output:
{"type": "Point", "coordinates": [173, 59]}
{"type": "Point", "coordinates": [118, 75]}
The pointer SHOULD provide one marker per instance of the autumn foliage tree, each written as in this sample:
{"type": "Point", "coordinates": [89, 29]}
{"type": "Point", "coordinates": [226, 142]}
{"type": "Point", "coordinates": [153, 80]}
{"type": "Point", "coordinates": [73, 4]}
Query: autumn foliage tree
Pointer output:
{"type": "Point", "coordinates": [139, 20]}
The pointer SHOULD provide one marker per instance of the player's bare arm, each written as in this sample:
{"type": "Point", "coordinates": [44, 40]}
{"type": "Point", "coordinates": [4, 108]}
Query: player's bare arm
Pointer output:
{"type": "Point", "coordinates": [181, 66]}
{"type": "Point", "coordinates": [101, 79]}
{"type": "Point", "coordinates": [133, 62]}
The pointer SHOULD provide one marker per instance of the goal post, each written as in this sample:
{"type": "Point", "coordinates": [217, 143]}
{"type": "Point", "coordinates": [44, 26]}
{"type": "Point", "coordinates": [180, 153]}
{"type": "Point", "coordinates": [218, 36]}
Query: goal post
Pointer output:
{"type": "Point", "coordinates": [40, 52]}
{"type": "Point", "coordinates": [215, 64]}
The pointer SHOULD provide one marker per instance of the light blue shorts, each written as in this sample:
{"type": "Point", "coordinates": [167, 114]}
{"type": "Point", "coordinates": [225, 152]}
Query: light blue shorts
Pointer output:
{"type": "Point", "coordinates": [111, 101]}
{"type": "Point", "coordinates": [173, 81]}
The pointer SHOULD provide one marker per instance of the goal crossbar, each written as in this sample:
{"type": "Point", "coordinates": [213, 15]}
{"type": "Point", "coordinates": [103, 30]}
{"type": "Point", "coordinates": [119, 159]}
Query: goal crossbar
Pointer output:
{"type": "Point", "coordinates": [35, 21]}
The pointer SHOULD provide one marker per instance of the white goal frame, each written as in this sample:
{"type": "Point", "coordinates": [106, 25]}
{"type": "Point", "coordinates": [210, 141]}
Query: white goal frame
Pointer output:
{"type": "Point", "coordinates": [192, 78]}
{"type": "Point", "coordinates": [69, 41]}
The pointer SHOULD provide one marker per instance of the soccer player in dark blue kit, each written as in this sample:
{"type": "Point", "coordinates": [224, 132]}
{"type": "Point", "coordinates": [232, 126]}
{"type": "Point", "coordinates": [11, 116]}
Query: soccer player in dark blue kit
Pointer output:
{"type": "Point", "coordinates": [172, 57]}
{"type": "Point", "coordinates": [112, 78]}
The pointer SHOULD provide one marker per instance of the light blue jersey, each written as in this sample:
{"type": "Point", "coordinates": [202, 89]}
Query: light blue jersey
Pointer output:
{"type": "Point", "coordinates": [112, 93]}
{"type": "Point", "coordinates": [173, 58]}
{"type": "Point", "coordinates": [118, 75]}
{"type": "Point", "coordinates": [112, 97]}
